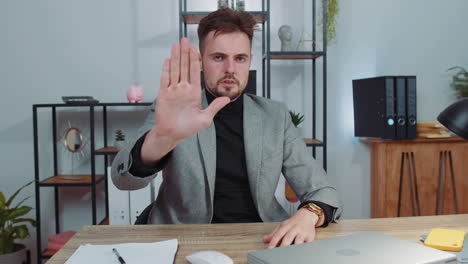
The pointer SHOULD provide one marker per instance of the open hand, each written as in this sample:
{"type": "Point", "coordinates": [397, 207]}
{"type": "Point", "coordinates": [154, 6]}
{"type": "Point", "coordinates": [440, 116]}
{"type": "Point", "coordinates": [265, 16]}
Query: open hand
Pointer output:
{"type": "Point", "coordinates": [298, 229]}
{"type": "Point", "coordinates": [178, 104]}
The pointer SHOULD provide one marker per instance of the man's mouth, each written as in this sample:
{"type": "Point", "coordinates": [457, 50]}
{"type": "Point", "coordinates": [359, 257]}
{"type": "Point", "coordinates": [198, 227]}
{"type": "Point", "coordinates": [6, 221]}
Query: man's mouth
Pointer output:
{"type": "Point", "coordinates": [228, 82]}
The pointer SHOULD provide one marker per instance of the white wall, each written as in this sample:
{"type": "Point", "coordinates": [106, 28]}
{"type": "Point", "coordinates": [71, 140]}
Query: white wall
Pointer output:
{"type": "Point", "coordinates": [53, 48]}
{"type": "Point", "coordinates": [380, 37]}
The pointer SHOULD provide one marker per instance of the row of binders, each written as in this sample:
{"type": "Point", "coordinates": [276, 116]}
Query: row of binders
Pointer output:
{"type": "Point", "coordinates": [385, 107]}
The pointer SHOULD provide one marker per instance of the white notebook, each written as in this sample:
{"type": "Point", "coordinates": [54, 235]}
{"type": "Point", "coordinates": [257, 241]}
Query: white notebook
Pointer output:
{"type": "Point", "coordinates": [142, 253]}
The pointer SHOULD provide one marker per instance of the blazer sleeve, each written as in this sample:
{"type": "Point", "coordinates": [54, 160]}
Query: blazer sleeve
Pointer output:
{"type": "Point", "coordinates": [121, 176]}
{"type": "Point", "coordinates": [306, 176]}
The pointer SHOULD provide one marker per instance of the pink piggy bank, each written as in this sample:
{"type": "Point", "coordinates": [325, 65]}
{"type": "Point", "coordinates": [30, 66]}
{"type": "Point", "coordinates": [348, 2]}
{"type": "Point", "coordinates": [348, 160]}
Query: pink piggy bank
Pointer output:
{"type": "Point", "coordinates": [135, 93]}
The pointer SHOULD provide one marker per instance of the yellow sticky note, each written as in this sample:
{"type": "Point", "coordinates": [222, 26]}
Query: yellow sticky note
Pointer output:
{"type": "Point", "coordinates": [445, 239]}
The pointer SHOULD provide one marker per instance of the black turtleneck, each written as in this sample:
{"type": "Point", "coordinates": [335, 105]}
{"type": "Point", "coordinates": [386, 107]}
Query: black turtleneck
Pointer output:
{"type": "Point", "coordinates": [232, 198]}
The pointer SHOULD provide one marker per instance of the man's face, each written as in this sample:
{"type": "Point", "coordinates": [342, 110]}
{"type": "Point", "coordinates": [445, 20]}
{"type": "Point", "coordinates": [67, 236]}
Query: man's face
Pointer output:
{"type": "Point", "coordinates": [226, 62]}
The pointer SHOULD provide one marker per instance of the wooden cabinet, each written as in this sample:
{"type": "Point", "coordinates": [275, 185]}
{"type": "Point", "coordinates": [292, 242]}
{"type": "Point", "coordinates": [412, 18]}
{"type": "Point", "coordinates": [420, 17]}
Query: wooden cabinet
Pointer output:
{"type": "Point", "coordinates": [418, 177]}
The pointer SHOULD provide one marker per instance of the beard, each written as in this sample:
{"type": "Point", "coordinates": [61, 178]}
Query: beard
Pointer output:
{"type": "Point", "coordinates": [220, 89]}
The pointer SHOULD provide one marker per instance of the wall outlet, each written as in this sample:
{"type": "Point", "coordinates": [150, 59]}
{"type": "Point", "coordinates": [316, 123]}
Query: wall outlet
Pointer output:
{"type": "Point", "coordinates": [119, 203]}
{"type": "Point", "coordinates": [119, 217]}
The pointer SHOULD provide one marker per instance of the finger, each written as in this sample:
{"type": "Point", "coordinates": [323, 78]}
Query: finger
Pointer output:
{"type": "Point", "coordinates": [268, 237]}
{"type": "Point", "coordinates": [288, 238]}
{"type": "Point", "coordinates": [175, 64]}
{"type": "Point", "coordinates": [277, 237]}
{"type": "Point", "coordinates": [194, 66]}
{"type": "Point", "coordinates": [164, 81]}
{"type": "Point", "coordinates": [310, 238]}
{"type": "Point", "coordinates": [215, 106]}
{"type": "Point", "coordinates": [299, 239]}
{"type": "Point", "coordinates": [184, 59]}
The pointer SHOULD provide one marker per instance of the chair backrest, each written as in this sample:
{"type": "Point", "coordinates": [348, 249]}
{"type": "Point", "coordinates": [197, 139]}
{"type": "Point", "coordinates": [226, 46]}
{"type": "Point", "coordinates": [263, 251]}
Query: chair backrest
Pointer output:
{"type": "Point", "coordinates": [142, 219]}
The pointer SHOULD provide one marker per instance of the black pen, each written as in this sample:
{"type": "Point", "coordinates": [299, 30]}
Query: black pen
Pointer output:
{"type": "Point", "coordinates": [121, 260]}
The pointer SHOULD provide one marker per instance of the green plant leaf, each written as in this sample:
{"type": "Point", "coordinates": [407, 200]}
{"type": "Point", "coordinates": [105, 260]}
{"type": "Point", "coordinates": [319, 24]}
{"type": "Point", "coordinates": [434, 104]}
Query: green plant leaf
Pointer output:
{"type": "Point", "coordinates": [2, 201]}
{"type": "Point", "coordinates": [21, 231]}
{"type": "Point", "coordinates": [7, 239]}
{"type": "Point", "coordinates": [459, 82]}
{"type": "Point", "coordinates": [18, 212]}
{"type": "Point", "coordinates": [457, 67]}
{"type": "Point", "coordinates": [22, 201]}
{"type": "Point", "coordinates": [29, 220]}
{"type": "Point", "coordinates": [10, 229]}
{"type": "Point", "coordinates": [296, 118]}
{"type": "Point", "coordinates": [16, 193]}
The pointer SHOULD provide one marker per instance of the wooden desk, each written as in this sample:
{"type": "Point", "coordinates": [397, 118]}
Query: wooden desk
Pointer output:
{"type": "Point", "coordinates": [236, 240]}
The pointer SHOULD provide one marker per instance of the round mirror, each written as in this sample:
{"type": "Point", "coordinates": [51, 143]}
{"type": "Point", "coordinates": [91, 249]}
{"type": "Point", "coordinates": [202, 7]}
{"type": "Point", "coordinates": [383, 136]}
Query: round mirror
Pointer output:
{"type": "Point", "coordinates": [73, 139]}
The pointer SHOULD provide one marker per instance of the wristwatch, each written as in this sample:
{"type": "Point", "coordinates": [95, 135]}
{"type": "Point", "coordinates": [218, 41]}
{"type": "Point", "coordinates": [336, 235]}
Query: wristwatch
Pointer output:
{"type": "Point", "coordinates": [316, 210]}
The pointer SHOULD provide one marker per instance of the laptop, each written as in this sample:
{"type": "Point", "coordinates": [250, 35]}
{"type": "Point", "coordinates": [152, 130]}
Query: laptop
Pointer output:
{"type": "Point", "coordinates": [366, 247]}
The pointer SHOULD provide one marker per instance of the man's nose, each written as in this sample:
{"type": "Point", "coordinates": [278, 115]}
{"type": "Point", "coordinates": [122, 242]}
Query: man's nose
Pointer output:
{"type": "Point", "coordinates": [229, 66]}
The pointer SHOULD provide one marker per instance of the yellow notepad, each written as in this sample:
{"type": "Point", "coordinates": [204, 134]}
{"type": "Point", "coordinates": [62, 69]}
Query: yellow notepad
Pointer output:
{"type": "Point", "coordinates": [445, 239]}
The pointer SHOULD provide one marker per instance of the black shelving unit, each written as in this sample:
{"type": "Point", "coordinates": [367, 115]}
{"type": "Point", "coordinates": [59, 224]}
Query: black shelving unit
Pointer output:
{"type": "Point", "coordinates": [263, 17]}
{"type": "Point", "coordinates": [59, 181]}
{"type": "Point", "coordinates": [313, 56]}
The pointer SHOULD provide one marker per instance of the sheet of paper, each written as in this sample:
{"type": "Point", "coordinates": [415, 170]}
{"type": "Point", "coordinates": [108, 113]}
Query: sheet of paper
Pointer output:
{"type": "Point", "coordinates": [162, 252]}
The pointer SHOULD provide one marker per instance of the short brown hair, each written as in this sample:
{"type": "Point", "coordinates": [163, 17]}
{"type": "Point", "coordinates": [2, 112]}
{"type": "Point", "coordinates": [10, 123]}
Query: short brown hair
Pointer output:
{"type": "Point", "coordinates": [226, 20]}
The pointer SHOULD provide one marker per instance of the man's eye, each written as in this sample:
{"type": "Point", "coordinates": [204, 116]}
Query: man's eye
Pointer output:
{"type": "Point", "coordinates": [241, 59]}
{"type": "Point", "coordinates": [217, 58]}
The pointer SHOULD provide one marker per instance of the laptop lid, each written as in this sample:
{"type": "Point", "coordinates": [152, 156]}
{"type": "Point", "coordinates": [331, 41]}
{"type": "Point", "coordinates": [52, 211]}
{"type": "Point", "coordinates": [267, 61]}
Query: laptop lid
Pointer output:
{"type": "Point", "coordinates": [366, 247]}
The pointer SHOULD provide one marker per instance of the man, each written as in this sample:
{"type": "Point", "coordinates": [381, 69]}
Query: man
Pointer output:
{"type": "Point", "coordinates": [222, 151]}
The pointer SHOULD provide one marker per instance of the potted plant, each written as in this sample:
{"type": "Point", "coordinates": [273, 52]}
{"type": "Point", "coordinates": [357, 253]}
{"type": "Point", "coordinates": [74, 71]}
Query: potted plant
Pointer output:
{"type": "Point", "coordinates": [460, 82]}
{"type": "Point", "coordinates": [296, 119]}
{"type": "Point", "coordinates": [12, 226]}
{"type": "Point", "coordinates": [119, 139]}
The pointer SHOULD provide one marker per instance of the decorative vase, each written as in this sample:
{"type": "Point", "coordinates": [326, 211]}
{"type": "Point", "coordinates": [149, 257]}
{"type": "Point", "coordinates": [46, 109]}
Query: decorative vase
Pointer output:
{"type": "Point", "coordinates": [17, 257]}
{"type": "Point", "coordinates": [223, 4]}
{"type": "Point", "coordinates": [120, 144]}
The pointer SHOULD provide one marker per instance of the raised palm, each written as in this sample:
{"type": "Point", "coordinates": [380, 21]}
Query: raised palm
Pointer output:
{"type": "Point", "coordinates": [178, 104]}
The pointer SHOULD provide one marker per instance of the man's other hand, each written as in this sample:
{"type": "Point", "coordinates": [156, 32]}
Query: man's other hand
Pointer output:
{"type": "Point", "coordinates": [298, 229]}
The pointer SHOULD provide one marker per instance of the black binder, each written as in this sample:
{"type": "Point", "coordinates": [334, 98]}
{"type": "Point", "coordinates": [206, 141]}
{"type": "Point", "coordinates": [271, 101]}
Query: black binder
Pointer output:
{"type": "Point", "coordinates": [374, 107]}
{"type": "Point", "coordinates": [411, 131]}
{"type": "Point", "coordinates": [385, 107]}
{"type": "Point", "coordinates": [400, 90]}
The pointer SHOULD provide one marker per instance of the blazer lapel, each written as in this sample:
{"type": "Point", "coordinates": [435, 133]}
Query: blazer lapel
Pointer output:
{"type": "Point", "coordinates": [207, 144]}
{"type": "Point", "coordinates": [253, 137]}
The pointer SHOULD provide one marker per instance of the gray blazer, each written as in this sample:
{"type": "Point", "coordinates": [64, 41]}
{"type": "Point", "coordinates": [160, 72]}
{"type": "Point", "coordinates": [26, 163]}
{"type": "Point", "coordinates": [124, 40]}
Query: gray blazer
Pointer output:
{"type": "Point", "coordinates": [272, 145]}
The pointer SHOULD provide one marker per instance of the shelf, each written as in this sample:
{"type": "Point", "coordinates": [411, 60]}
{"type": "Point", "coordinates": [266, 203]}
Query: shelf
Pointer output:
{"type": "Point", "coordinates": [195, 17]}
{"type": "Point", "coordinates": [104, 221]}
{"type": "Point", "coordinates": [98, 104]}
{"type": "Point", "coordinates": [61, 180]}
{"type": "Point", "coordinates": [48, 253]}
{"type": "Point", "coordinates": [295, 55]}
{"type": "Point", "coordinates": [310, 142]}
{"type": "Point", "coordinates": [107, 151]}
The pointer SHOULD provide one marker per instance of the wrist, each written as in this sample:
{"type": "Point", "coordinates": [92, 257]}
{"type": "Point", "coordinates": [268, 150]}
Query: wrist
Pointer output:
{"type": "Point", "coordinates": [156, 147]}
{"type": "Point", "coordinates": [317, 211]}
